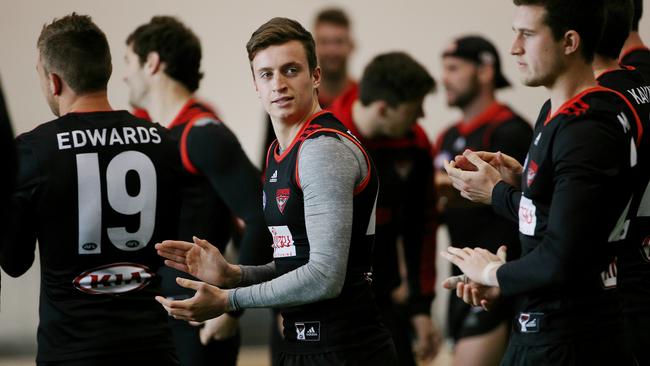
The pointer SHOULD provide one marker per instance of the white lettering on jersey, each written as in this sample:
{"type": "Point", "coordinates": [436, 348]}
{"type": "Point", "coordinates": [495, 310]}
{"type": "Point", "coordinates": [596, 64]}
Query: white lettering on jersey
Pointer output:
{"type": "Point", "coordinates": [527, 218]}
{"type": "Point", "coordinates": [282, 242]}
{"type": "Point", "coordinates": [620, 230]}
{"type": "Point", "coordinates": [609, 276]}
{"type": "Point", "coordinates": [63, 139]}
{"type": "Point", "coordinates": [116, 136]}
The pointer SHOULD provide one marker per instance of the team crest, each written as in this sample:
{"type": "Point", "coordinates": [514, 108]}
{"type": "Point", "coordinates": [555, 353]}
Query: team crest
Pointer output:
{"type": "Point", "coordinates": [281, 198]}
{"type": "Point", "coordinates": [531, 172]}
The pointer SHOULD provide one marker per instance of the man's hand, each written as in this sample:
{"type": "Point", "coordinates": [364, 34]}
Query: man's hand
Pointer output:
{"type": "Point", "coordinates": [473, 293]}
{"type": "Point", "coordinates": [427, 342]}
{"type": "Point", "coordinates": [478, 264]}
{"type": "Point", "coordinates": [508, 167]}
{"type": "Point", "coordinates": [220, 328]}
{"type": "Point", "coordinates": [208, 302]}
{"type": "Point", "coordinates": [200, 259]}
{"type": "Point", "coordinates": [476, 185]}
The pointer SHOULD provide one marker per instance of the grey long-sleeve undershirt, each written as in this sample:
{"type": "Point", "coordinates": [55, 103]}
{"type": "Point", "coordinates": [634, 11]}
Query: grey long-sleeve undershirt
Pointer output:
{"type": "Point", "coordinates": [329, 169]}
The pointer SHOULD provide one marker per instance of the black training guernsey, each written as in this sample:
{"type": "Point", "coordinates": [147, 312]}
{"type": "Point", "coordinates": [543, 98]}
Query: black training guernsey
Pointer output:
{"type": "Point", "coordinates": [97, 190]}
{"type": "Point", "coordinates": [576, 184]}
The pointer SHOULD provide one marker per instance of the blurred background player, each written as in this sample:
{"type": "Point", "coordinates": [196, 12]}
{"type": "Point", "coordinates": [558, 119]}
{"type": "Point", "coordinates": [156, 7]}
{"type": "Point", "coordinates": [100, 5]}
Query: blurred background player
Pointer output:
{"type": "Point", "coordinates": [633, 256]}
{"type": "Point", "coordinates": [471, 76]}
{"type": "Point", "coordinates": [97, 188]}
{"type": "Point", "coordinates": [383, 114]}
{"type": "Point", "coordinates": [635, 52]}
{"type": "Point", "coordinates": [163, 71]}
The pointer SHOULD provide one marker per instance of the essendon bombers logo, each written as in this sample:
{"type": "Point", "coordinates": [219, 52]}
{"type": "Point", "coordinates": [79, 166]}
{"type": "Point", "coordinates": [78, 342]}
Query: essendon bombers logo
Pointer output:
{"type": "Point", "coordinates": [531, 172]}
{"type": "Point", "coordinates": [281, 197]}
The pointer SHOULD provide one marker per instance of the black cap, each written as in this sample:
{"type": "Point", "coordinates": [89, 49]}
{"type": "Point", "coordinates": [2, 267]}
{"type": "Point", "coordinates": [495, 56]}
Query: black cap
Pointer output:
{"type": "Point", "coordinates": [480, 50]}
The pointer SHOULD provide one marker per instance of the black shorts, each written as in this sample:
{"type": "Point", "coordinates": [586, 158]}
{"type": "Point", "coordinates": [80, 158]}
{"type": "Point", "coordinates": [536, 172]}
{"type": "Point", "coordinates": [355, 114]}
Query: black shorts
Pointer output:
{"type": "Point", "coordinates": [158, 358]}
{"type": "Point", "coordinates": [637, 336]}
{"type": "Point", "coordinates": [466, 321]}
{"type": "Point", "coordinates": [582, 352]}
{"type": "Point", "coordinates": [382, 354]}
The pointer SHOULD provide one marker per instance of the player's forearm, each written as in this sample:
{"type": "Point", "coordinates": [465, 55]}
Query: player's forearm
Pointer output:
{"type": "Point", "coordinates": [505, 201]}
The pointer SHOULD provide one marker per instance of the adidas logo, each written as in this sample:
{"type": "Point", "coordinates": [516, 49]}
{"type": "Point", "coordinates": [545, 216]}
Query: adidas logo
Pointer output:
{"type": "Point", "coordinates": [312, 332]}
{"type": "Point", "coordinates": [274, 177]}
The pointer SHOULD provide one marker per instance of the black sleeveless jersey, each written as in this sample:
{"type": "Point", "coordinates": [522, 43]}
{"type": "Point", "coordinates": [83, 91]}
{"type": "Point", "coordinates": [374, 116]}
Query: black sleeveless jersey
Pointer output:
{"type": "Point", "coordinates": [498, 128]}
{"type": "Point", "coordinates": [97, 190]}
{"type": "Point", "coordinates": [203, 213]}
{"type": "Point", "coordinates": [633, 280]}
{"type": "Point", "coordinates": [351, 318]}
{"type": "Point", "coordinates": [575, 186]}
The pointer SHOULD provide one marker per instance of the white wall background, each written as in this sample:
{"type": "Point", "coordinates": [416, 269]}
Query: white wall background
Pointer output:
{"type": "Point", "coordinates": [420, 27]}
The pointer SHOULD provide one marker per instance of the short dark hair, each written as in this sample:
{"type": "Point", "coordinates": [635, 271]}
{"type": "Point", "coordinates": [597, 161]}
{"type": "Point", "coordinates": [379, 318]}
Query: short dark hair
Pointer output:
{"type": "Point", "coordinates": [77, 50]}
{"type": "Point", "coordinates": [395, 78]}
{"type": "Point", "coordinates": [278, 31]}
{"type": "Point", "coordinates": [586, 17]}
{"type": "Point", "coordinates": [638, 13]}
{"type": "Point", "coordinates": [617, 28]}
{"type": "Point", "coordinates": [334, 16]}
{"type": "Point", "coordinates": [178, 47]}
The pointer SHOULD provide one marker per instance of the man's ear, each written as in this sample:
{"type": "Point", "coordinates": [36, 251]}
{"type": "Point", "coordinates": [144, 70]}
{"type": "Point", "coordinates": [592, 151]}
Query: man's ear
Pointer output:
{"type": "Point", "coordinates": [316, 77]}
{"type": "Point", "coordinates": [485, 74]}
{"type": "Point", "coordinates": [572, 42]}
{"type": "Point", "coordinates": [152, 63]}
{"type": "Point", "coordinates": [55, 83]}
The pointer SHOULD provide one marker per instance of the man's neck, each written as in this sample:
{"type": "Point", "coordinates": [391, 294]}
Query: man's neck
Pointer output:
{"type": "Point", "coordinates": [286, 131]}
{"type": "Point", "coordinates": [633, 41]}
{"type": "Point", "coordinates": [602, 64]}
{"type": "Point", "coordinates": [334, 85]}
{"type": "Point", "coordinates": [576, 78]}
{"type": "Point", "coordinates": [166, 101]}
{"type": "Point", "coordinates": [478, 105]}
{"type": "Point", "coordinates": [89, 102]}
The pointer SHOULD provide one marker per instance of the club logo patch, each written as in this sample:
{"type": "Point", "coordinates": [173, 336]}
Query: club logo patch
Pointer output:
{"type": "Point", "coordinates": [529, 322]}
{"type": "Point", "coordinates": [308, 331]}
{"type": "Point", "coordinates": [531, 172]}
{"type": "Point", "coordinates": [281, 197]}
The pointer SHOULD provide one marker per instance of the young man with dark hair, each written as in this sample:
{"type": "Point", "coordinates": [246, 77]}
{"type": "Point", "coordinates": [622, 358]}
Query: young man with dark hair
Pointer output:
{"type": "Point", "coordinates": [320, 191]}
{"type": "Point", "coordinates": [471, 76]}
{"type": "Point", "coordinates": [163, 70]}
{"type": "Point", "coordinates": [97, 189]}
{"type": "Point", "coordinates": [580, 162]}
{"type": "Point", "coordinates": [383, 115]}
{"type": "Point", "coordinates": [633, 255]}
{"type": "Point", "coordinates": [635, 53]}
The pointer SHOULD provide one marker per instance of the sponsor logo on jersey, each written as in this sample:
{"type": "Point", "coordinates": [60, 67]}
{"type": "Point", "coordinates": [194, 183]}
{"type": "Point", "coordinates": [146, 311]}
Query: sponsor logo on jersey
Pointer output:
{"type": "Point", "coordinates": [282, 242]}
{"type": "Point", "coordinates": [115, 278]}
{"type": "Point", "coordinates": [527, 218]}
{"type": "Point", "coordinates": [274, 177]}
{"type": "Point", "coordinates": [307, 331]}
{"type": "Point", "coordinates": [281, 197]}
{"type": "Point", "coordinates": [531, 172]}
{"type": "Point", "coordinates": [645, 249]}
{"type": "Point", "coordinates": [609, 276]}
{"type": "Point", "coordinates": [529, 322]}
